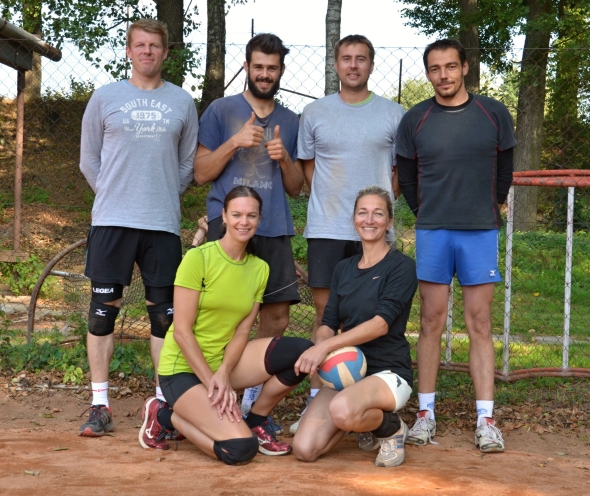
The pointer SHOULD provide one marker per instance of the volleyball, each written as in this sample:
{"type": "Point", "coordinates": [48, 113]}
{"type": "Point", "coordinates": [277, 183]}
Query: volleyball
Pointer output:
{"type": "Point", "coordinates": [343, 367]}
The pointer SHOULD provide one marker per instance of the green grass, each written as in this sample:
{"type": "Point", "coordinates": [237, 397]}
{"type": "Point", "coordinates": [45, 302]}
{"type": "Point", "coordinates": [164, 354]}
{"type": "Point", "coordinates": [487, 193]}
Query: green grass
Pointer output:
{"type": "Point", "coordinates": [523, 355]}
{"type": "Point", "coordinates": [538, 391]}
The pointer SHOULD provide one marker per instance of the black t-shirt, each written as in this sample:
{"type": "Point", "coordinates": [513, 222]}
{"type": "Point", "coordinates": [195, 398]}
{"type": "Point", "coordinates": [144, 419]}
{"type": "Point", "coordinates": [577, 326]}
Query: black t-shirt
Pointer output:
{"type": "Point", "coordinates": [457, 173]}
{"type": "Point", "coordinates": [386, 289]}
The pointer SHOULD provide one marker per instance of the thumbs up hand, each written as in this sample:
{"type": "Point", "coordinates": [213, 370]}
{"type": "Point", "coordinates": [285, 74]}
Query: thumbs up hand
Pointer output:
{"type": "Point", "coordinates": [250, 135]}
{"type": "Point", "coordinates": [275, 148]}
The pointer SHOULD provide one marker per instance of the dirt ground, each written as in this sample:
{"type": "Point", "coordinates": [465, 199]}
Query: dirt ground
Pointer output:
{"type": "Point", "coordinates": [42, 454]}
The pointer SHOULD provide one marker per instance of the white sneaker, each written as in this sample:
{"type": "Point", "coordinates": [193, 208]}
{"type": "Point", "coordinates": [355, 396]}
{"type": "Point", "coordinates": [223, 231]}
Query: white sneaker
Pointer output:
{"type": "Point", "coordinates": [295, 426]}
{"type": "Point", "coordinates": [423, 430]}
{"type": "Point", "coordinates": [488, 438]}
{"type": "Point", "coordinates": [367, 441]}
{"type": "Point", "coordinates": [392, 452]}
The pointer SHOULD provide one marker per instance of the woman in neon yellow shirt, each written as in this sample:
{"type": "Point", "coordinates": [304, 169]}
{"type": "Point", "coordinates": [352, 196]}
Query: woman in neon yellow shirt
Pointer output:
{"type": "Point", "coordinates": [207, 355]}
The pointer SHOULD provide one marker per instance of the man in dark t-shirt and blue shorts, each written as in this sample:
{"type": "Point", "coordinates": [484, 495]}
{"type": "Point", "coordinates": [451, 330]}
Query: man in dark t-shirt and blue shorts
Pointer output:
{"type": "Point", "coordinates": [455, 163]}
{"type": "Point", "coordinates": [249, 139]}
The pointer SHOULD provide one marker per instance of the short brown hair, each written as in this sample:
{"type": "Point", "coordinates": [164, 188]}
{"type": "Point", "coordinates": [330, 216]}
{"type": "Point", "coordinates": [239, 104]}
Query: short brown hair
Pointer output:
{"type": "Point", "coordinates": [445, 45]}
{"type": "Point", "coordinates": [149, 26]}
{"type": "Point", "coordinates": [353, 39]}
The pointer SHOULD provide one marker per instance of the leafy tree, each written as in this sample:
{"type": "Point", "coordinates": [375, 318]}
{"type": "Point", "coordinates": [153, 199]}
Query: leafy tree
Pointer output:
{"type": "Point", "coordinates": [213, 85]}
{"type": "Point", "coordinates": [413, 92]}
{"type": "Point", "coordinates": [91, 26]}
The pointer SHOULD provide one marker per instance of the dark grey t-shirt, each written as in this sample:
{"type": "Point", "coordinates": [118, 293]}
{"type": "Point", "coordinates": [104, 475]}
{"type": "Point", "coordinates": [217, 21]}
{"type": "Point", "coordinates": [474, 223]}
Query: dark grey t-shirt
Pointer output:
{"type": "Point", "coordinates": [457, 150]}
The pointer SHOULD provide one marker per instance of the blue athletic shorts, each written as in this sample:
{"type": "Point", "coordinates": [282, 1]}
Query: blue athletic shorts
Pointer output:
{"type": "Point", "coordinates": [472, 255]}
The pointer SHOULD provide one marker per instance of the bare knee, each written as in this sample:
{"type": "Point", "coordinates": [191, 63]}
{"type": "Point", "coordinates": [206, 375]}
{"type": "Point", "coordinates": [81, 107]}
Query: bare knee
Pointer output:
{"type": "Point", "coordinates": [274, 319]}
{"type": "Point", "coordinates": [304, 452]}
{"type": "Point", "coordinates": [343, 413]}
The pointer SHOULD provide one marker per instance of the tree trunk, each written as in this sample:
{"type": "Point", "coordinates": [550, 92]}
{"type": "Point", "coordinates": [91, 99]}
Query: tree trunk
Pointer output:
{"type": "Point", "coordinates": [333, 17]}
{"type": "Point", "coordinates": [469, 38]}
{"type": "Point", "coordinates": [32, 22]}
{"type": "Point", "coordinates": [564, 104]}
{"type": "Point", "coordinates": [214, 80]}
{"type": "Point", "coordinates": [530, 111]}
{"type": "Point", "coordinates": [171, 13]}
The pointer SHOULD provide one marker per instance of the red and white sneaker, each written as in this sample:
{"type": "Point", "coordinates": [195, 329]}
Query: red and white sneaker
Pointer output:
{"type": "Point", "coordinates": [152, 434]}
{"type": "Point", "coordinates": [488, 438]}
{"type": "Point", "coordinates": [268, 443]}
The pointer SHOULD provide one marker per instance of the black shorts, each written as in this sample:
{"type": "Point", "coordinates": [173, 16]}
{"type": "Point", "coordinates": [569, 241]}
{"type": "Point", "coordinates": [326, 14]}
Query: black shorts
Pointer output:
{"type": "Point", "coordinates": [278, 254]}
{"type": "Point", "coordinates": [174, 386]}
{"type": "Point", "coordinates": [112, 251]}
{"type": "Point", "coordinates": [323, 255]}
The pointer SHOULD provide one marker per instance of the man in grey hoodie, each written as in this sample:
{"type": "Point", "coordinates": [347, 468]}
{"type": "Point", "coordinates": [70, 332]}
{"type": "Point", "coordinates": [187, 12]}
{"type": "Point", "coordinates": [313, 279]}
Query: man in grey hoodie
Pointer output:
{"type": "Point", "coordinates": [139, 139]}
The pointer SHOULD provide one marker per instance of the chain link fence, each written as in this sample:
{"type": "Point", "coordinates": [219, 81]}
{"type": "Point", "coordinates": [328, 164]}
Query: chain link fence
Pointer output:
{"type": "Point", "coordinates": [540, 313]}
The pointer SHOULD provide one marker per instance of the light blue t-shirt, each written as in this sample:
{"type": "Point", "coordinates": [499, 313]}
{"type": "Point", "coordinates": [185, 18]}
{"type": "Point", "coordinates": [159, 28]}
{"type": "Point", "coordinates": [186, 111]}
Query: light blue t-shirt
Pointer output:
{"type": "Point", "coordinates": [354, 148]}
{"type": "Point", "coordinates": [251, 166]}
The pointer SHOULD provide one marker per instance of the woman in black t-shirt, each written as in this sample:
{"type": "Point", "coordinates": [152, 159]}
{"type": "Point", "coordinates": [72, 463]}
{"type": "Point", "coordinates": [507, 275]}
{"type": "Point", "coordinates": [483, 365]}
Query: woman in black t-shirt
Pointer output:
{"type": "Point", "coordinates": [370, 298]}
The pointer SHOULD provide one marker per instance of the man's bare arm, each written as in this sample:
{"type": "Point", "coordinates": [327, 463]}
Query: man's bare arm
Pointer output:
{"type": "Point", "coordinates": [290, 171]}
{"type": "Point", "coordinates": [308, 169]}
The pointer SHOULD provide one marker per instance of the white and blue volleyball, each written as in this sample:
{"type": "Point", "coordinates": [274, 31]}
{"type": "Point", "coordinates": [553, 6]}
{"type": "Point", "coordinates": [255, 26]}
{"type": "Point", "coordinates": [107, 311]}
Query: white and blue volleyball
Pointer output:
{"type": "Point", "coordinates": [343, 367]}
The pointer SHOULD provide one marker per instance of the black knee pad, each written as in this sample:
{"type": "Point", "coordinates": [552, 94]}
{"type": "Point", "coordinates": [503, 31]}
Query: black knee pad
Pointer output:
{"type": "Point", "coordinates": [159, 295]}
{"type": "Point", "coordinates": [236, 451]}
{"type": "Point", "coordinates": [389, 426]}
{"type": "Point", "coordinates": [103, 292]}
{"type": "Point", "coordinates": [101, 319]}
{"type": "Point", "coordinates": [281, 355]}
{"type": "Point", "coordinates": [161, 317]}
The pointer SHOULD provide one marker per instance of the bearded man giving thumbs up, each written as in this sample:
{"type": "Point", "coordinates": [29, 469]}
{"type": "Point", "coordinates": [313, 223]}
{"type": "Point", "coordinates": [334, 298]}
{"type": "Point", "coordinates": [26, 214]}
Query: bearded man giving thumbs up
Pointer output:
{"type": "Point", "coordinates": [249, 139]}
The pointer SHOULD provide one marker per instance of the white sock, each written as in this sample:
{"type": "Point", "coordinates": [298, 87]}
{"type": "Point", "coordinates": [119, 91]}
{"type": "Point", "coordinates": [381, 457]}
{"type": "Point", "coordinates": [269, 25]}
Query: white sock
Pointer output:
{"type": "Point", "coordinates": [484, 408]}
{"type": "Point", "coordinates": [313, 392]}
{"type": "Point", "coordinates": [100, 393]}
{"type": "Point", "coordinates": [159, 394]}
{"type": "Point", "coordinates": [249, 397]}
{"type": "Point", "coordinates": [426, 401]}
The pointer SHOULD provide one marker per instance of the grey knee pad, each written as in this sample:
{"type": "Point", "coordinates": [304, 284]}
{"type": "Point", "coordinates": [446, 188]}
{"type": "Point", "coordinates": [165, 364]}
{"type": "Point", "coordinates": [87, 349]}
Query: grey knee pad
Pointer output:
{"type": "Point", "coordinates": [236, 451]}
{"type": "Point", "coordinates": [161, 317]}
{"type": "Point", "coordinates": [280, 357]}
{"type": "Point", "coordinates": [101, 319]}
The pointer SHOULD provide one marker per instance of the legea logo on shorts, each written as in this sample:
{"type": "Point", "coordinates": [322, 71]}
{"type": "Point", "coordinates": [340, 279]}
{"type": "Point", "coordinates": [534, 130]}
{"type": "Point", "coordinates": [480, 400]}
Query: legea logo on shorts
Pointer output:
{"type": "Point", "coordinates": [103, 290]}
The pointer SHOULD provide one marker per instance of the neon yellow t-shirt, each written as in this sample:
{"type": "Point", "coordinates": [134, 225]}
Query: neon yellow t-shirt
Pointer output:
{"type": "Point", "coordinates": [228, 290]}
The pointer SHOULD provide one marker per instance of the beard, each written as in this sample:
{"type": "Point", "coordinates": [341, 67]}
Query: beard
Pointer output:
{"type": "Point", "coordinates": [450, 93]}
{"type": "Point", "coordinates": [264, 95]}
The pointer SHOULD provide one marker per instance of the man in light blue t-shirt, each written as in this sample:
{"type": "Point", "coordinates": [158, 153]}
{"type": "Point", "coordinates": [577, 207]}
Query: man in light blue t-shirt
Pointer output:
{"type": "Point", "coordinates": [346, 143]}
{"type": "Point", "coordinates": [137, 149]}
{"type": "Point", "coordinates": [249, 139]}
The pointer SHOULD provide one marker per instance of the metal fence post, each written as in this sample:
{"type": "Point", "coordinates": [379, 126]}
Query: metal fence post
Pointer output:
{"type": "Point", "coordinates": [508, 284]}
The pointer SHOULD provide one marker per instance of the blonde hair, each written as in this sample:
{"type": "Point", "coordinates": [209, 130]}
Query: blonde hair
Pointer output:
{"type": "Point", "coordinates": [149, 26]}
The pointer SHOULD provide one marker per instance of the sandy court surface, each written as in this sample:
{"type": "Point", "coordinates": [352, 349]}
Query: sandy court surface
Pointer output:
{"type": "Point", "coordinates": [37, 426]}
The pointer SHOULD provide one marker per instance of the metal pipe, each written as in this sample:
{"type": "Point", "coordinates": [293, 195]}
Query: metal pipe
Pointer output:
{"type": "Point", "coordinates": [46, 271]}
{"type": "Point", "coordinates": [569, 245]}
{"type": "Point", "coordinates": [28, 40]}
{"type": "Point", "coordinates": [399, 82]}
{"type": "Point", "coordinates": [18, 173]}
{"type": "Point", "coordinates": [508, 283]}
